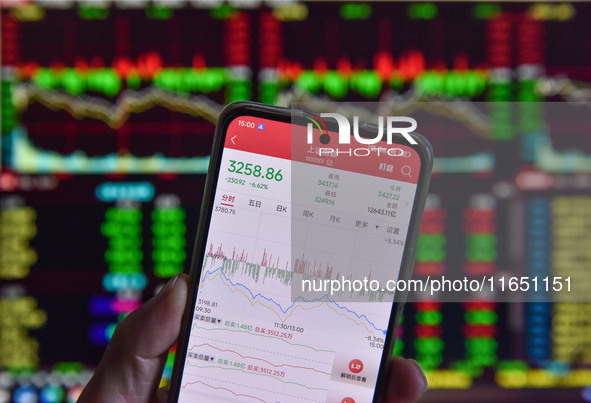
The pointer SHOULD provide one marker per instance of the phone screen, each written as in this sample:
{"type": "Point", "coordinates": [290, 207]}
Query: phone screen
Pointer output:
{"type": "Point", "coordinates": [251, 339]}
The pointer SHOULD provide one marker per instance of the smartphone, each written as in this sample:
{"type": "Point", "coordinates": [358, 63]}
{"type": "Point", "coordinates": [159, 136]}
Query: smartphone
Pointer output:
{"type": "Point", "coordinates": [295, 246]}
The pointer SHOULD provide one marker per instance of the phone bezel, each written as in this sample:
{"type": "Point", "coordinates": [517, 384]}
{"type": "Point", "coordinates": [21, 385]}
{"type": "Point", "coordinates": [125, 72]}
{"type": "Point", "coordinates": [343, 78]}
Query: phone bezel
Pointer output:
{"type": "Point", "coordinates": [247, 108]}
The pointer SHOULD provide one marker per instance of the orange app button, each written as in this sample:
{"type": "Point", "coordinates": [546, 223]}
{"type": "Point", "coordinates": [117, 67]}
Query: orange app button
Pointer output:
{"type": "Point", "coordinates": [356, 366]}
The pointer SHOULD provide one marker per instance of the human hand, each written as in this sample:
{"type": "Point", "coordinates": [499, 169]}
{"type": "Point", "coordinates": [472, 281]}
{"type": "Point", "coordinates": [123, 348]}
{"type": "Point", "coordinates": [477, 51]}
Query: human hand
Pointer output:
{"type": "Point", "coordinates": [131, 367]}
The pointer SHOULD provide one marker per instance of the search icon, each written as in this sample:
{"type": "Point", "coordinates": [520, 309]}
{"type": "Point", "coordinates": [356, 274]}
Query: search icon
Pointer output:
{"type": "Point", "coordinates": [406, 170]}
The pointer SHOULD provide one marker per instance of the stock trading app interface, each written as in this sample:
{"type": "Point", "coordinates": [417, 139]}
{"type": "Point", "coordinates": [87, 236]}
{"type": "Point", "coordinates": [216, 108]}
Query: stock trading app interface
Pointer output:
{"type": "Point", "coordinates": [108, 110]}
{"type": "Point", "coordinates": [253, 336]}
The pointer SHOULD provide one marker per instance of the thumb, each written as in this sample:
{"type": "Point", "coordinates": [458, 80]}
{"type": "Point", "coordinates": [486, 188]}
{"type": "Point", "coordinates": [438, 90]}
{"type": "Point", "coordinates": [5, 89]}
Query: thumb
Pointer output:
{"type": "Point", "coordinates": [131, 367]}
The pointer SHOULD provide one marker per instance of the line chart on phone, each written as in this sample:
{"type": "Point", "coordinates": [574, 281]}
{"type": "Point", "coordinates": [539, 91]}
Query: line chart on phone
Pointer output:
{"type": "Point", "coordinates": [257, 334]}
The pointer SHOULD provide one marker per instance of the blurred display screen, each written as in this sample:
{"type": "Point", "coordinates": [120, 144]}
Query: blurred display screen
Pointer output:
{"type": "Point", "coordinates": [107, 116]}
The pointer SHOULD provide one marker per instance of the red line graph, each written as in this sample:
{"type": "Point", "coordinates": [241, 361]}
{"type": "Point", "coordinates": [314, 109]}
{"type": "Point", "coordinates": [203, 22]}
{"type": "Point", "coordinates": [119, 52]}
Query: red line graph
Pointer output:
{"type": "Point", "coordinates": [259, 359]}
{"type": "Point", "coordinates": [220, 388]}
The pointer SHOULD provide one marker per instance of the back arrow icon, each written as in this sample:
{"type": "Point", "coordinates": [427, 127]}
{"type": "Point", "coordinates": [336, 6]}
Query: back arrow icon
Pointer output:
{"type": "Point", "coordinates": [232, 139]}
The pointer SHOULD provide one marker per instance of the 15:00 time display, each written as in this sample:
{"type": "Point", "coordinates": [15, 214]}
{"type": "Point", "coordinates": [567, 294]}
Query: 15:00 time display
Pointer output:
{"type": "Point", "coordinates": [257, 171]}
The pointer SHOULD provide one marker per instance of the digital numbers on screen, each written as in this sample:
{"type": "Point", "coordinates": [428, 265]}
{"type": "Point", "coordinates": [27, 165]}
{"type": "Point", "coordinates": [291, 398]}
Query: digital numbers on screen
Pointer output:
{"type": "Point", "coordinates": [257, 171]}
